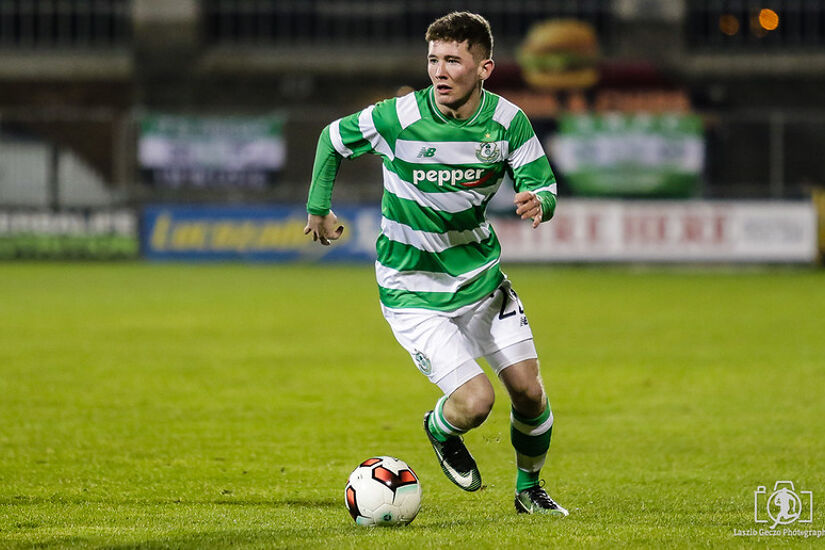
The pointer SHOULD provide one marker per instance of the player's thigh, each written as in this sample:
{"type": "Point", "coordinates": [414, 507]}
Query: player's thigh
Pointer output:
{"type": "Point", "coordinates": [434, 343]}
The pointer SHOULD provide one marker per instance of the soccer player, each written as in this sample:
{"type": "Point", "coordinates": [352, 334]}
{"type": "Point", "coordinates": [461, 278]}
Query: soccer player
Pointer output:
{"type": "Point", "coordinates": [445, 150]}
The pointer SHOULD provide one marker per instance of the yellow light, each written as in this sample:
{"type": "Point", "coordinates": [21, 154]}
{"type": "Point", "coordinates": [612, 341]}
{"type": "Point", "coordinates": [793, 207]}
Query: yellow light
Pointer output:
{"type": "Point", "coordinates": [769, 19]}
{"type": "Point", "coordinates": [728, 24]}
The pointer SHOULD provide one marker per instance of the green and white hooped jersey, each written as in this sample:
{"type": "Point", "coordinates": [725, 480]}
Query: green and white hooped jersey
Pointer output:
{"type": "Point", "coordinates": [436, 249]}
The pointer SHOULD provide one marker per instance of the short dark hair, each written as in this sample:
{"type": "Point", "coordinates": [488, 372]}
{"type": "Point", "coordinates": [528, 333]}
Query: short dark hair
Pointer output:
{"type": "Point", "coordinates": [459, 26]}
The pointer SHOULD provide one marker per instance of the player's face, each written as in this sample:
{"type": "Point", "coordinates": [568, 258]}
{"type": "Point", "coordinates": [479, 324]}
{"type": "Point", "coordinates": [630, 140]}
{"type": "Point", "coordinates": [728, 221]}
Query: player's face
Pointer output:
{"type": "Point", "coordinates": [456, 73]}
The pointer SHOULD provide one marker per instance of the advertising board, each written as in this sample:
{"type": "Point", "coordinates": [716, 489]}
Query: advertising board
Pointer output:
{"type": "Point", "coordinates": [582, 231]}
{"type": "Point", "coordinates": [97, 234]}
{"type": "Point", "coordinates": [253, 233]}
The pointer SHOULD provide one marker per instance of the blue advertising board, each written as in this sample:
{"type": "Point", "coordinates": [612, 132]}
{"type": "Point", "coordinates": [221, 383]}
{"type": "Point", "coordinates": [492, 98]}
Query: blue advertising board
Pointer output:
{"type": "Point", "coordinates": [252, 233]}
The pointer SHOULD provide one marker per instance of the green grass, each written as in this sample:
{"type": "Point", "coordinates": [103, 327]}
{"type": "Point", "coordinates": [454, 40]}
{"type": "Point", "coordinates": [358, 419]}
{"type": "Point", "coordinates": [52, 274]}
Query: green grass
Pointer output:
{"type": "Point", "coordinates": [175, 406]}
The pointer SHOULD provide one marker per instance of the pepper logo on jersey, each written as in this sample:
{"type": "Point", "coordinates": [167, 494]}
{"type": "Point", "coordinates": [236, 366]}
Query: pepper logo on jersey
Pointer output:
{"type": "Point", "coordinates": [470, 177]}
{"type": "Point", "coordinates": [488, 151]}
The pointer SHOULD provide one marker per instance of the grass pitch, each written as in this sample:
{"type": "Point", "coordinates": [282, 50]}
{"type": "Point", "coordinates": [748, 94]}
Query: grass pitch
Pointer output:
{"type": "Point", "coordinates": [178, 406]}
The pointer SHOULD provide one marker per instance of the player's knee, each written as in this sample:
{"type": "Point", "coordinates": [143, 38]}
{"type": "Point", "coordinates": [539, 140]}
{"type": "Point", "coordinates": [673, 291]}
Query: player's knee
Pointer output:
{"type": "Point", "coordinates": [529, 398]}
{"type": "Point", "coordinates": [479, 410]}
{"type": "Point", "coordinates": [477, 406]}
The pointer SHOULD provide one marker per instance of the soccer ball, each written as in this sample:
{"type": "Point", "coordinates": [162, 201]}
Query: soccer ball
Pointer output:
{"type": "Point", "coordinates": [383, 490]}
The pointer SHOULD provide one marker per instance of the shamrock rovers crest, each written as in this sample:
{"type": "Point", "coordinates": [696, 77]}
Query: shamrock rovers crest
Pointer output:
{"type": "Point", "coordinates": [422, 362]}
{"type": "Point", "coordinates": [488, 151]}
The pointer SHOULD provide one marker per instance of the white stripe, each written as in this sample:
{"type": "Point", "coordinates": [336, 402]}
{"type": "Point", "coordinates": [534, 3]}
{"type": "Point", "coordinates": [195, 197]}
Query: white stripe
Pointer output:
{"type": "Point", "coordinates": [429, 241]}
{"type": "Point", "coordinates": [439, 405]}
{"type": "Point", "coordinates": [367, 127]}
{"type": "Point", "coordinates": [552, 188]}
{"type": "Point", "coordinates": [529, 151]}
{"type": "Point", "coordinates": [505, 112]}
{"type": "Point", "coordinates": [530, 463]}
{"type": "Point", "coordinates": [444, 425]}
{"type": "Point", "coordinates": [527, 429]}
{"type": "Point", "coordinates": [426, 281]}
{"type": "Point", "coordinates": [337, 142]}
{"type": "Point", "coordinates": [446, 152]}
{"type": "Point", "coordinates": [440, 425]}
{"type": "Point", "coordinates": [407, 110]}
{"type": "Point", "coordinates": [452, 201]}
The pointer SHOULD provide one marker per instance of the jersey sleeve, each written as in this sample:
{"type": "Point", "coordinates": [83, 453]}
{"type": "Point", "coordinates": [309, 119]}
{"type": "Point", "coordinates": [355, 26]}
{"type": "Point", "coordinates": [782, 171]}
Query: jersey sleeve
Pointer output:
{"type": "Point", "coordinates": [529, 165]}
{"type": "Point", "coordinates": [346, 138]}
{"type": "Point", "coordinates": [324, 170]}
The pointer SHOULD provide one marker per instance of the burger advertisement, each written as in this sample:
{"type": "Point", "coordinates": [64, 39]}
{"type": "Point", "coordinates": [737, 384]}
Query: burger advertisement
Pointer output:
{"type": "Point", "coordinates": [560, 54]}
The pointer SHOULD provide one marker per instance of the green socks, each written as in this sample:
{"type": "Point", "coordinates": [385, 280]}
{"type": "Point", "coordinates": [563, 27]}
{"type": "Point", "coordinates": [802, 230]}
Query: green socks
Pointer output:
{"type": "Point", "coordinates": [525, 480]}
{"type": "Point", "coordinates": [531, 440]}
{"type": "Point", "coordinates": [439, 427]}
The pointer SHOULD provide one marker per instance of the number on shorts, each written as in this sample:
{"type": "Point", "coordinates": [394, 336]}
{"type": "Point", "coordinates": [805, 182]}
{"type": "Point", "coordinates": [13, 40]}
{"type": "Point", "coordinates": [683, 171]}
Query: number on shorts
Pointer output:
{"type": "Point", "coordinates": [503, 314]}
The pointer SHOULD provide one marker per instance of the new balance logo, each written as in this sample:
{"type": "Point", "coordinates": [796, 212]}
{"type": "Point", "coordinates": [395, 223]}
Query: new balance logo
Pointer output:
{"type": "Point", "coordinates": [426, 152]}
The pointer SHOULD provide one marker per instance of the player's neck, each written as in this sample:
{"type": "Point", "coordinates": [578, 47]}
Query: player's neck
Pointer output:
{"type": "Point", "coordinates": [466, 109]}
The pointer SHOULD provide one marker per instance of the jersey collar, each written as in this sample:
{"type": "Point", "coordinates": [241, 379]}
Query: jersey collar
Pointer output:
{"type": "Point", "coordinates": [440, 115]}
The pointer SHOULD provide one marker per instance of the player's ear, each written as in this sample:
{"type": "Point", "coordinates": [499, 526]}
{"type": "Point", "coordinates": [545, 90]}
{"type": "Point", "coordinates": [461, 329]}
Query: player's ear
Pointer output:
{"type": "Point", "coordinates": [485, 69]}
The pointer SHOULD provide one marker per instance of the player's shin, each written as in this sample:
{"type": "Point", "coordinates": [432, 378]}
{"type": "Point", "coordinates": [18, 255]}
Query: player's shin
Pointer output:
{"type": "Point", "coordinates": [531, 439]}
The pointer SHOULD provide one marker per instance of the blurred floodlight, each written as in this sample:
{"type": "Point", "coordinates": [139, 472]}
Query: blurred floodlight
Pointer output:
{"type": "Point", "coordinates": [729, 24]}
{"type": "Point", "coordinates": [757, 29]}
{"type": "Point", "coordinates": [768, 19]}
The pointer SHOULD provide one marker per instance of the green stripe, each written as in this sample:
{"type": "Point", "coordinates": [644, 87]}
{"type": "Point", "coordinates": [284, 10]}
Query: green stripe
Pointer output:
{"type": "Point", "coordinates": [548, 204]}
{"type": "Point", "coordinates": [484, 111]}
{"type": "Point", "coordinates": [324, 170]}
{"type": "Point", "coordinates": [454, 261]}
{"type": "Point", "coordinates": [432, 128]}
{"type": "Point", "coordinates": [385, 118]}
{"type": "Point", "coordinates": [530, 445]}
{"type": "Point", "coordinates": [427, 130]}
{"type": "Point", "coordinates": [520, 131]}
{"type": "Point", "coordinates": [536, 173]}
{"type": "Point", "coordinates": [440, 434]}
{"type": "Point", "coordinates": [533, 421]}
{"type": "Point", "coordinates": [444, 301]}
{"type": "Point", "coordinates": [423, 218]}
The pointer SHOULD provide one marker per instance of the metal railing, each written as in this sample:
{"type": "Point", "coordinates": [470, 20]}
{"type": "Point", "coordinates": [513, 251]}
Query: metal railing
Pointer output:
{"type": "Point", "coordinates": [74, 24]}
{"type": "Point", "coordinates": [376, 22]}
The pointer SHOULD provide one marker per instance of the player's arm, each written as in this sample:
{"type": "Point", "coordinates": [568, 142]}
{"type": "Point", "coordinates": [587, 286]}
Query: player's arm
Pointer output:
{"type": "Point", "coordinates": [346, 137]}
{"type": "Point", "coordinates": [321, 220]}
{"type": "Point", "coordinates": [534, 181]}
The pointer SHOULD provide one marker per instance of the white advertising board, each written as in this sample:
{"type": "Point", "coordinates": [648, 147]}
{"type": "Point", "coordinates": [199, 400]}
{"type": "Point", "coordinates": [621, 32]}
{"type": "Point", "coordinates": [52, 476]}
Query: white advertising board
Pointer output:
{"type": "Point", "coordinates": [665, 231]}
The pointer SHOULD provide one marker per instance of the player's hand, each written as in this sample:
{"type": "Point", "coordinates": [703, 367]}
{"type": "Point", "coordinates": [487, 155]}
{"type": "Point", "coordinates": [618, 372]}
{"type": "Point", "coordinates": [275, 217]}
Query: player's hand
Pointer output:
{"type": "Point", "coordinates": [324, 228]}
{"type": "Point", "coordinates": [528, 206]}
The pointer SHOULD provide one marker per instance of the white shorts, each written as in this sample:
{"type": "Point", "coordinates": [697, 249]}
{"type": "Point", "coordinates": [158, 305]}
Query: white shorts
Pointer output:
{"type": "Point", "coordinates": [445, 344]}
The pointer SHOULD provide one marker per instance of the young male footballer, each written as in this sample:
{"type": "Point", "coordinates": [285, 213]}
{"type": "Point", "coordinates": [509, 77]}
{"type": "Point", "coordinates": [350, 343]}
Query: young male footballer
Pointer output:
{"type": "Point", "coordinates": [445, 150]}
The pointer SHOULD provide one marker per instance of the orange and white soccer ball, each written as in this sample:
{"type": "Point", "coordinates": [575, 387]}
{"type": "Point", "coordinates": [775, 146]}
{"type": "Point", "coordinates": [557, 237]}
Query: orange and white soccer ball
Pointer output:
{"type": "Point", "coordinates": [383, 490]}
